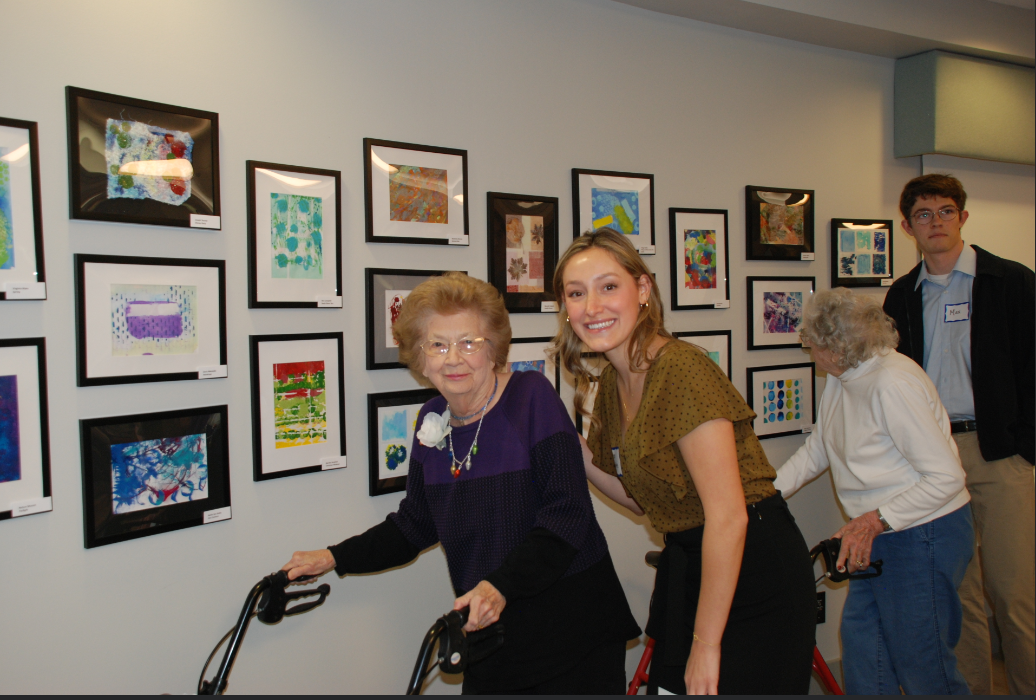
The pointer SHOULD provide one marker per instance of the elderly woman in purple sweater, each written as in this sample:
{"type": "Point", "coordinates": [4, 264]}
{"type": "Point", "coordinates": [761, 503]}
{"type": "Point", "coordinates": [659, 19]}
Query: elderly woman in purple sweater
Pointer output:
{"type": "Point", "coordinates": [496, 476]}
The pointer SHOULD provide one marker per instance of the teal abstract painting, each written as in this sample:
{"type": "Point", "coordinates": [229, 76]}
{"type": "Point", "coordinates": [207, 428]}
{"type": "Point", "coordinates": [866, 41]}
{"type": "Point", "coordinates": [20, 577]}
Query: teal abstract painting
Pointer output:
{"type": "Point", "coordinates": [6, 222]}
{"type": "Point", "coordinates": [296, 240]}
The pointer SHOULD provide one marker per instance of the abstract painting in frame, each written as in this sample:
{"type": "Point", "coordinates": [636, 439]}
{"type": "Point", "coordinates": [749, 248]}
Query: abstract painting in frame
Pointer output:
{"type": "Point", "coordinates": [715, 344]}
{"type": "Point", "coordinates": [151, 473]}
{"type": "Point", "coordinates": [530, 355]}
{"type": "Point", "coordinates": [523, 250]}
{"type": "Point", "coordinates": [149, 319]}
{"type": "Point", "coordinates": [415, 193]}
{"type": "Point", "coordinates": [861, 252]}
{"type": "Point", "coordinates": [779, 223]}
{"type": "Point", "coordinates": [298, 404]}
{"type": "Point", "coordinates": [21, 211]}
{"type": "Point", "coordinates": [24, 427]}
{"type": "Point", "coordinates": [392, 423]}
{"type": "Point", "coordinates": [387, 291]}
{"type": "Point", "coordinates": [775, 309]}
{"type": "Point", "coordinates": [700, 263]}
{"type": "Point", "coordinates": [294, 235]}
{"type": "Point", "coordinates": [140, 162]}
{"type": "Point", "coordinates": [783, 398]}
{"type": "Point", "coordinates": [624, 202]}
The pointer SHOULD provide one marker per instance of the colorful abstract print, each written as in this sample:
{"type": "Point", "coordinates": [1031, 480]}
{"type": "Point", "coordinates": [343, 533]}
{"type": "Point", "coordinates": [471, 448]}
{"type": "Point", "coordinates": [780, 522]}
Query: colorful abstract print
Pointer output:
{"type": "Point", "coordinates": [153, 473]}
{"type": "Point", "coordinates": [10, 438]}
{"type": "Point", "coordinates": [299, 404]}
{"type": "Point", "coordinates": [782, 312]}
{"type": "Point", "coordinates": [154, 319]}
{"type": "Point", "coordinates": [396, 430]}
{"type": "Point", "coordinates": [781, 401]}
{"type": "Point", "coordinates": [297, 244]}
{"type": "Point", "coordinates": [780, 224]}
{"type": "Point", "coordinates": [616, 209]}
{"type": "Point", "coordinates": [418, 194]}
{"type": "Point", "coordinates": [524, 253]}
{"type": "Point", "coordinates": [6, 220]}
{"type": "Point", "coordinates": [133, 142]}
{"type": "Point", "coordinates": [529, 366]}
{"type": "Point", "coordinates": [699, 259]}
{"type": "Point", "coordinates": [862, 252]}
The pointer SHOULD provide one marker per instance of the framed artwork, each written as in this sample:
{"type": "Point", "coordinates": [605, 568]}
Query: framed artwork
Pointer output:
{"type": "Point", "coordinates": [140, 162]}
{"type": "Point", "coordinates": [149, 319]}
{"type": "Point", "coordinates": [294, 236]}
{"type": "Point", "coordinates": [21, 213]}
{"type": "Point", "coordinates": [386, 292]}
{"type": "Point", "coordinates": [414, 193]}
{"type": "Point", "coordinates": [154, 472]}
{"type": "Point", "coordinates": [698, 249]}
{"type": "Point", "coordinates": [24, 428]}
{"type": "Point", "coordinates": [530, 355]}
{"type": "Point", "coordinates": [779, 224]}
{"type": "Point", "coordinates": [861, 252]}
{"type": "Point", "coordinates": [783, 398]}
{"type": "Point", "coordinates": [523, 250]}
{"type": "Point", "coordinates": [775, 307]}
{"type": "Point", "coordinates": [621, 201]}
{"type": "Point", "coordinates": [392, 423]}
{"type": "Point", "coordinates": [715, 344]}
{"type": "Point", "coordinates": [298, 404]}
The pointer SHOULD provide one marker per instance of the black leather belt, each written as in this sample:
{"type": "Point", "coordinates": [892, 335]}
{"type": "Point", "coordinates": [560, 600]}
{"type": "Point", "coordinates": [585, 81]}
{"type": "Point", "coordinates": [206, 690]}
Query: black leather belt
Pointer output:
{"type": "Point", "coordinates": [963, 426]}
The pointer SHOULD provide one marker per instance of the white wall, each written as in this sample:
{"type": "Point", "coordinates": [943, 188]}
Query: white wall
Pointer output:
{"type": "Point", "coordinates": [532, 90]}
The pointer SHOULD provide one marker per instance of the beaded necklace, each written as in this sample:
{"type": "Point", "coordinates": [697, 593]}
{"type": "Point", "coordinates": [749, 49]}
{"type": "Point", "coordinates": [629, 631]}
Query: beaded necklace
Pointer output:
{"type": "Point", "coordinates": [455, 465]}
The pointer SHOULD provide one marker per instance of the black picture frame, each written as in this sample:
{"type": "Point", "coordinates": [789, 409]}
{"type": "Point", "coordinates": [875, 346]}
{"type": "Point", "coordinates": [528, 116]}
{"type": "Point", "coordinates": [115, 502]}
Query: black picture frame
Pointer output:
{"type": "Point", "coordinates": [259, 299]}
{"type": "Point", "coordinates": [706, 348]}
{"type": "Point", "coordinates": [582, 207]}
{"type": "Point", "coordinates": [17, 361]}
{"type": "Point", "coordinates": [678, 265]}
{"type": "Point", "coordinates": [36, 272]}
{"type": "Point", "coordinates": [499, 207]}
{"type": "Point", "coordinates": [376, 233]}
{"type": "Point", "coordinates": [87, 376]}
{"type": "Point", "coordinates": [757, 311]}
{"type": "Point", "coordinates": [761, 429]}
{"type": "Point", "coordinates": [377, 281]}
{"type": "Point", "coordinates": [89, 113]}
{"type": "Point", "coordinates": [379, 484]}
{"type": "Point", "coordinates": [261, 411]}
{"type": "Point", "coordinates": [760, 243]}
{"type": "Point", "coordinates": [851, 255]}
{"type": "Point", "coordinates": [99, 436]}
{"type": "Point", "coordinates": [551, 370]}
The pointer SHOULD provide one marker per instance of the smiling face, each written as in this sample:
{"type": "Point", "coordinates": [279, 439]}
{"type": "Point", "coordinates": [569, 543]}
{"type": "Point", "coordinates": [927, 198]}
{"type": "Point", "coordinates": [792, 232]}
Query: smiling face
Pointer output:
{"type": "Point", "coordinates": [937, 236]}
{"type": "Point", "coordinates": [461, 378]}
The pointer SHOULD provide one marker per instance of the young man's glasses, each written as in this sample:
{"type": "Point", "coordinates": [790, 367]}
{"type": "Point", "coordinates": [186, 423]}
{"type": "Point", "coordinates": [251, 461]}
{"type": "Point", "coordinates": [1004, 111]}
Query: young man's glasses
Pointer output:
{"type": "Point", "coordinates": [923, 217]}
{"type": "Point", "coordinates": [466, 346]}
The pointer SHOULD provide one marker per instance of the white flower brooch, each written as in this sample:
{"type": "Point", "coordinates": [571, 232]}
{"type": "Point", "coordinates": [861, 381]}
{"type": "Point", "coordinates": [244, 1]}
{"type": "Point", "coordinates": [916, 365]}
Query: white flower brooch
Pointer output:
{"type": "Point", "coordinates": [434, 429]}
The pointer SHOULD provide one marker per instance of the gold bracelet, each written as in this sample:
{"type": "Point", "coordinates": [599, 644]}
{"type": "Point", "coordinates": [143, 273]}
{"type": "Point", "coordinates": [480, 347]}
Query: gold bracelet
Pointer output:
{"type": "Point", "coordinates": [699, 639]}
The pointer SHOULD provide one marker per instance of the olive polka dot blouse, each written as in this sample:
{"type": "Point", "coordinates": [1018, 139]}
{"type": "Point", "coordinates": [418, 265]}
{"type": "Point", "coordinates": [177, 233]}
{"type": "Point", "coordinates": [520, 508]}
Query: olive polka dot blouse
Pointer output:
{"type": "Point", "coordinates": [682, 390]}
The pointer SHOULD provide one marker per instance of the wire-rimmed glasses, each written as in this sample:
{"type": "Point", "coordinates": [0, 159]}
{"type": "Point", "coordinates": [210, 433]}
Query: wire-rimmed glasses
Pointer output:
{"type": "Point", "coordinates": [439, 348]}
{"type": "Point", "coordinates": [923, 217]}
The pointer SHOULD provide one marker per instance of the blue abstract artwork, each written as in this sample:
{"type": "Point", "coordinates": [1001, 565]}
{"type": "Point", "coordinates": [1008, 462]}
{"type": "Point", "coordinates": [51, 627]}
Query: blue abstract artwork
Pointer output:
{"type": "Point", "coordinates": [879, 264]}
{"type": "Point", "coordinates": [616, 209]}
{"type": "Point", "coordinates": [862, 252]}
{"type": "Point", "coordinates": [863, 264]}
{"type": "Point", "coordinates": [782, 312]}
{"type": "Point", "coordinates": [529, 366]}
{"type": "Point", "coordinates": [128, 148]}
{"type": "Point", "coordinates": [6, 221]}
{"type": "Point", "coordinates": [848, 240]}
{"type": "Point", "coordinates": [393, 426]}
{"type": "Point", "coordinates": [879, 241]}
{"type": "Point", "coordinates": [781, 401]}
{"type": "Point", "coordinates": [10, 439]}
{"type": "Point", "coordinates": [162, 472]}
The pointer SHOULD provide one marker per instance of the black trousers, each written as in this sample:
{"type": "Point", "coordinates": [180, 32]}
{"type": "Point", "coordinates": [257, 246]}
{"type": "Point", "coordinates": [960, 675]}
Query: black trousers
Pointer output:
{"type": "Point", "coordinates": [767, 646]}
{"type": "Point", "coordinates": [601, 672]}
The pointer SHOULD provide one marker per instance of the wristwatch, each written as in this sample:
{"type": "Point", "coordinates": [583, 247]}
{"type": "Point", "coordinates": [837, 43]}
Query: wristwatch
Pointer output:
{"type": "Point", "coordinates": [881, 519]}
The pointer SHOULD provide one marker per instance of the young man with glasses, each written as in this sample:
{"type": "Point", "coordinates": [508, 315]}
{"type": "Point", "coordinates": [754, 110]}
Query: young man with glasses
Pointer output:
{"type": "Point", "coordinates": [967, 317]}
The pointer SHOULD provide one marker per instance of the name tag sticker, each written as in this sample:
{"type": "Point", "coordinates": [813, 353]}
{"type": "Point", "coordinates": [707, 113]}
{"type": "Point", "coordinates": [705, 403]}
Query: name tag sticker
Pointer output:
{"type": "Point", "coordinates": [957, 312]}
{"type": "Point", "coordinates": [618, 462]}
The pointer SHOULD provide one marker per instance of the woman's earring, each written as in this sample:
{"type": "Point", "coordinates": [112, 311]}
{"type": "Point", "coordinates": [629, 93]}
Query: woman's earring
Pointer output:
{"type": "Point", "coordinates": [566, 319]}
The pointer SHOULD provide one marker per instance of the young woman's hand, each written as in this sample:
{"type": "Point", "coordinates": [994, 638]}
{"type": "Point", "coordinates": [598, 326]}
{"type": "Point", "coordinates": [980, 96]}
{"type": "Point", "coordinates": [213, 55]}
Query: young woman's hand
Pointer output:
{"type": "Point", "coordinates": [702, 674]}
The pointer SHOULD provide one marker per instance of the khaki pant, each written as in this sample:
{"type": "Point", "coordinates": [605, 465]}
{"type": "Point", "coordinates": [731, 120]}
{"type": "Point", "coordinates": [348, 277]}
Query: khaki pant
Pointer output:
{"type": "Point", "coordinates": [1003, 502]}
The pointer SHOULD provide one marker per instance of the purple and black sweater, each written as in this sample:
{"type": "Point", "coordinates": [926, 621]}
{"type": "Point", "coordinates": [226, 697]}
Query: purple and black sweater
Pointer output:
{"type": "Point", "coordinates": [522, 520]}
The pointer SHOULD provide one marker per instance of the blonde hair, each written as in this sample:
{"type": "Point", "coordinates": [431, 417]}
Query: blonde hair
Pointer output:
{"type": "Point", "coordinates": [852, 326]}
{"type": "Point", "coordinates": [567, 348]}
{"type": "Point", "coordinates": [451, 293]}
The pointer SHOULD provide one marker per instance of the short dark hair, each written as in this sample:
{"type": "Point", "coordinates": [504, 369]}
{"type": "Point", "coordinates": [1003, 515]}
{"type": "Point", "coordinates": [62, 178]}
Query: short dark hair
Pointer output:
{"type": "Point", "coordinates": [933, 185]}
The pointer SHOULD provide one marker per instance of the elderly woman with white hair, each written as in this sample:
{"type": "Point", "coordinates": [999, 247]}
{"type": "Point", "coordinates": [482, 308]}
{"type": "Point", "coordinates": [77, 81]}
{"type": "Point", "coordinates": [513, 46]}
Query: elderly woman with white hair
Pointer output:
{"type": "Point", "coordinates": [886, 438]}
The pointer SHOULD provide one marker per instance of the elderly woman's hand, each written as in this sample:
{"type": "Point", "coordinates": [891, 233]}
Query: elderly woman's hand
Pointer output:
{"type": "Point", "coordinates": [485, 604]}
{"type": "Point", "coordinates": [311, 563]}
{"type": "Point", "coordinates": [857, 536]}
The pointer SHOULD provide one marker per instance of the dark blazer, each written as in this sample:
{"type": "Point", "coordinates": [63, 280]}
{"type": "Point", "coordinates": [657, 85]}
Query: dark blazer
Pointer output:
{"type": "Point", "coordinates": [1003, 349]}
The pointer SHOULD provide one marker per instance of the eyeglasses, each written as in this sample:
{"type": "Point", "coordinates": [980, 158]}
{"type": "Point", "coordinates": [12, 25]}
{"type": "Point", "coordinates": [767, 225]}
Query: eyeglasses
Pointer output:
{"type": "Point", "coordinates": [926, 216]}
{"type": "Point", "coordinates": [466, 346]}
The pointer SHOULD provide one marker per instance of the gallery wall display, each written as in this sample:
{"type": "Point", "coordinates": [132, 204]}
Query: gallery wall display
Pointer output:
{"type": "Point", "coordinates": [298, 404]}
{"type": "Point", "coordinates": [149, 319]}
{"type": "Point", "coordinates": [294, 236]}
{"type": "Point", "coordinates": [783, 398]}
{"type": "Point", "coordinates": [24, 428]}
{"type": "Point", "coordinates": [621, 201]}
{"type": "Point", "coordinates": [151, 473]}
{"type": "Point", "coordinates": [530, 355]}
{"type": "Point", "coordinates": [386, 291]}
{"type": "Point", "coordinates": [779, 223]}
{"type": "Point", "coordinates": [861, 252]}
{"type": "Point", "coordinates": [140, 162]}
{"type": "Point", "coordinates": [699, 259]}
{"type": "Point", "coordinates": [392, 423]}
{"type": "Point", "coordinates": [715, 344]}
{"type": "Point", "coordinates": [21, 213]}
{"type": "Point", "coordinates": [415, 193]}
{"type": "Point", "coordinates": [775, 308]}
{"type": "Point", "coordinates": [523, 250]}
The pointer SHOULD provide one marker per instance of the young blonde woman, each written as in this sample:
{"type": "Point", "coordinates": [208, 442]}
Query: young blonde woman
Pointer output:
{"type": "Point", "coordinates": [733, 609]}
